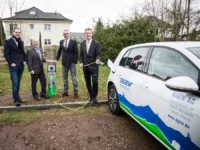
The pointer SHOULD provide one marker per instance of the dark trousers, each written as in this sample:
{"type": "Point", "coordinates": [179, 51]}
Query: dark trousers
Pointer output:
{"type": "Point", "coordinates": [16, 75]}
{"type": "Point", "coordinates": [92, 88]}
{"type": "Point", "coordinates": [43, 82]}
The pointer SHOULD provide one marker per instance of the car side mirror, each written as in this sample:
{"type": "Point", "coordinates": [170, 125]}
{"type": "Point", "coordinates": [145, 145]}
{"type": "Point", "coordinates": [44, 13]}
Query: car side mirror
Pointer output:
{"type": "Point", "coordinates": [182, 84]}
{"type": "Point", "coordinates": [111, 66]}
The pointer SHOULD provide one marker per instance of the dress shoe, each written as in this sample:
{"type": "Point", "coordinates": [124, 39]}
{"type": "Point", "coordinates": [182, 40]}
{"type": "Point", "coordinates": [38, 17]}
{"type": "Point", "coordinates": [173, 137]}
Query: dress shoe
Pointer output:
{"type": "Point", "coordinates": [95, 100]}
{"type": "Point", "coordinates": [75, 95]}
{"type": "Point", "coordinates": [92, 103]}
{"type": "Point", "coordinates": [22, 101]}
{"type": "Point", "coordinates": [17, 104]}
{"type": "Point", "coordinates": [65, 94]}
{"type": "Point", "coordinates": [36, 97]}
{"type": "Point", "coordinates": [44, 96]}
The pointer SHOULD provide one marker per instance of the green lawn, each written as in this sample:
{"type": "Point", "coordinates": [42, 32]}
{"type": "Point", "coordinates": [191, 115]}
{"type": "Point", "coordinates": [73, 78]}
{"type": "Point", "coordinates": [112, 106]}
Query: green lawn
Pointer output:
{"type": "Point", "coordinates": [25, 90]}
{"type": "Point", "coordinates": [26, 116]}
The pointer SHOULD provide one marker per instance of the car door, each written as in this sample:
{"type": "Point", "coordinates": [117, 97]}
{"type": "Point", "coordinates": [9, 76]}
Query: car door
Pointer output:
{"type": "Point", "coordinates": [170, 115]}
{"type": "Point", "coordinates": [130, 78]}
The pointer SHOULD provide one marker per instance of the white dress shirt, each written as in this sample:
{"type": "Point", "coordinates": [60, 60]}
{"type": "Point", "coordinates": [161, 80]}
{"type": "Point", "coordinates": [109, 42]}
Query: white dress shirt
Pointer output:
{"type": "Point", "coordinates": [88, 43]}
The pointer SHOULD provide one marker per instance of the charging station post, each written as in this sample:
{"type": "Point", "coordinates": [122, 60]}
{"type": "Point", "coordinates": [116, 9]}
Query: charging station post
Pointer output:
{"type": "Point", "coordinates": [51, 70]}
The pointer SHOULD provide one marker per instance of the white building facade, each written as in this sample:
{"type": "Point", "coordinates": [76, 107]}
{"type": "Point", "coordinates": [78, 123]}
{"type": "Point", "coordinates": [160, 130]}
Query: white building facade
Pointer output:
{"type": "Point", "coordinates": [36, 24]}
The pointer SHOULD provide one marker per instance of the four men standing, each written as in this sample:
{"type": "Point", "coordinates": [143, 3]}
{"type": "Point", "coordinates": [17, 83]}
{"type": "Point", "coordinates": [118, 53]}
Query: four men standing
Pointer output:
{"type": "Point", "coordinates": [89, 60]}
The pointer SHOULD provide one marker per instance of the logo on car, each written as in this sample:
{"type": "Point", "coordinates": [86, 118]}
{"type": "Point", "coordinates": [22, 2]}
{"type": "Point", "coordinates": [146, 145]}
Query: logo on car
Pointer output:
{"type": "Point", "coordinates": [125, 82]}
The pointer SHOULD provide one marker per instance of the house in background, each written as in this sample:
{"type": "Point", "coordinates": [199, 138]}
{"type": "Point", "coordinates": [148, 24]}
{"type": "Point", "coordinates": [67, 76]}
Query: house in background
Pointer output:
{"type": "Point", "coordinates": [34, 21]}
{"type": "Point", "coordinates": [163, 29]}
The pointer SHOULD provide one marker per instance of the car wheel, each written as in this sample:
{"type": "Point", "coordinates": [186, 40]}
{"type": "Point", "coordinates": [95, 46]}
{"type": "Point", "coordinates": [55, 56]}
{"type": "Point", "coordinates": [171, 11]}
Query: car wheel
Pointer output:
{"type": "Point", "coordinates": [113, 102]}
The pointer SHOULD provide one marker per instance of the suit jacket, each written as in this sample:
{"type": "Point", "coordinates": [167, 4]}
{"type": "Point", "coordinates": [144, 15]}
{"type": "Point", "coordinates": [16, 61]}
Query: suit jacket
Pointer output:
{"type": "Point", "coordinates": [34, 62]}
{"type": "Point", "coordinates": [93, 54]}
{"type": "Point", "coordinates": [69, 55]}
{"type": "Point", "coordinates": [13, 53]}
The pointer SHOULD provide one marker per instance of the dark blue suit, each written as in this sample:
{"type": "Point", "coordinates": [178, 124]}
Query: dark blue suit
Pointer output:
{"type": "Point", "coordinates": [92, 70]}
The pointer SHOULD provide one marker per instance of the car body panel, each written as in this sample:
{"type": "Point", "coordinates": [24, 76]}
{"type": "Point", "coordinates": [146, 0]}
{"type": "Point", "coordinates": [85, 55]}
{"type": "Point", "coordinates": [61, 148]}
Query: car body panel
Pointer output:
{"type": "Point", "coordinates": [173, 117]}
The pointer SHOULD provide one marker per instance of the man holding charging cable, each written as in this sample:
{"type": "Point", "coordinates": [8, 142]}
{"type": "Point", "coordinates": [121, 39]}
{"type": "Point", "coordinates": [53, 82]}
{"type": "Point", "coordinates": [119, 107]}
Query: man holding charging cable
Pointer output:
{"type": "Point", "coordinates": [90, 55]}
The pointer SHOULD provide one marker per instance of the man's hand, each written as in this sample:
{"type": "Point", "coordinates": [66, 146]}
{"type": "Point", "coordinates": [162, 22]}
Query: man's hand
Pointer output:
{"type": "Point", "coordinates": [13, 65]}
{"type": "Point", "coordinates": [47, 61]}
{"type": "Point", "coordinates": [81, 65]}
{"type": "Point", "coordinates": [56, 61]}
{"type": "Point", "coordinates": [32, 72]}
{"type": "Point", "coordinates": [97, 61]}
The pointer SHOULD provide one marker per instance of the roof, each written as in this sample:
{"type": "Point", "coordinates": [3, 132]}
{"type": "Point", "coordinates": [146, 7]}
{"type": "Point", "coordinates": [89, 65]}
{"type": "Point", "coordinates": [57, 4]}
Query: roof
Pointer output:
{"type": "Point", "coordinates": [157, 22]}
{"type": "Point", "coordinates": [39, 15]}
{"type": "Point", "coordinates": [79, 36]}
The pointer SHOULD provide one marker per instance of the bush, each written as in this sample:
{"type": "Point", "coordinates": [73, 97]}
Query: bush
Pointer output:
{"type": "Point", "coordinates": [113, 38]}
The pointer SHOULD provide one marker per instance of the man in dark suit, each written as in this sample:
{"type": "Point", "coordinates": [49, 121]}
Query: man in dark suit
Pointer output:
{"type": "Point", "coordinates": [69, 50]}
{"type": "Point", "coordinates": [16, 58]}
{"type": "Point", "coordinates": [35, 65]}
{"type": "Point", "coordinates": [90, 53]}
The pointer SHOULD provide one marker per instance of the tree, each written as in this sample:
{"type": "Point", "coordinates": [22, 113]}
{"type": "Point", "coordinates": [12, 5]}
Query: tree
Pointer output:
{"type": "Point", "coordinates": [158, 14]}
{"type": "Point", "coordinates": [2, 34]}
{"type": "Point", "coordinates": [40, 39]}
{"type": "Point", "coordinates": [193, 35]}
{"type": "Point", "coordinates": [11, 4]}
{"type": "Point", "coordinates": [114, 37]}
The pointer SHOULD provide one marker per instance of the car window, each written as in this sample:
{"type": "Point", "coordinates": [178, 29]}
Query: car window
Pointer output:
{"type": "Point", "coordinates": [124, 58]}
{"type": "Point", "coordinates": [166, 63]}
{"type": "Point", "coordinates": [136, 58]}
{"type": "Point", "coordinates": [195, 50]}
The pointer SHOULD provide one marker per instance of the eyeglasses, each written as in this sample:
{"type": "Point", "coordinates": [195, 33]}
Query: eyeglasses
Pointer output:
{"type": "Point", "coordinates": [65, 33]}
{"type": "Point", "coordinates": [18, 32]}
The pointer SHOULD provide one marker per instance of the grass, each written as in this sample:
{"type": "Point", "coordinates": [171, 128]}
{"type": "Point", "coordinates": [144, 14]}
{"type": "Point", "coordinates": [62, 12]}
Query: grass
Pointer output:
{"type": "Point", "coordinates": [26, 116]}
{"type": "Point", "coordinates": [5, 86]}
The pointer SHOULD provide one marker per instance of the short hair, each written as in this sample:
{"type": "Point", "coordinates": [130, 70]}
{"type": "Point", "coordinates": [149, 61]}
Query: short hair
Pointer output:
{"type": "Point", "coordinates": [88, 29]}
{"type": "Point", "coordinates": [16, 28]}
{"type": "Point", "coordinates": [65, 30]}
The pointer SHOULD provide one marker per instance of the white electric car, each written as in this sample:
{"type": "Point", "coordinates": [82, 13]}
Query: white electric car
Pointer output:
{"type": "Point", "coordinates": [157, 84]}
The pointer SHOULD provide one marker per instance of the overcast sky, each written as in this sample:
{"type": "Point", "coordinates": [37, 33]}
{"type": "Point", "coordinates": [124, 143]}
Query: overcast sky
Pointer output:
{"type": "Point", "coordinates": [81, 12]}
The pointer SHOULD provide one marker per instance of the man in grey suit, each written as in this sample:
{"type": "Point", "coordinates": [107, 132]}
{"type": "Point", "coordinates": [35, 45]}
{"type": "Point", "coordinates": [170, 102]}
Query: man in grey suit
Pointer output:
{"type": "Point", "coordinates": [69, 50]}
{"type": "Point", "coordinates": [90, 53]}
{"type": "Point", "coordinates": [35, 65]}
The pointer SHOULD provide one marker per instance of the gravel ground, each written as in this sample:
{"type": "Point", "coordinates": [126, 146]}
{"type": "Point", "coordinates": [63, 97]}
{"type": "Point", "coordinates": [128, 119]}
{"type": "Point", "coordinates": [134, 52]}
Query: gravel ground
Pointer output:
{"type": "Point", "coordinates": [78, 132]}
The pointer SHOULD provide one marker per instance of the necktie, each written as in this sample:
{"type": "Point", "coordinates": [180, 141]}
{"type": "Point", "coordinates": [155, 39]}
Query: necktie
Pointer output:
{"type": "Point", "coordinates": [66, 44]}
{"type": "Point", "coordinates": [38, 51]}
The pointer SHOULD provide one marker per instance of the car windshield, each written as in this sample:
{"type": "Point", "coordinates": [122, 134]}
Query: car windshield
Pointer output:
{"type": "Point", "coordinates": [195, 50]}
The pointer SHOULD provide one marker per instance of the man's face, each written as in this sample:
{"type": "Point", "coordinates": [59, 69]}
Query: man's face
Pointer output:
{"type": "Point", "coordinates": [35, 43]}
{"type": "Point", "coordinates": [16, 33]}
{"type": "Point", "coordinates": [88, 34]}
{"type": "Point", "coordinates": [66, 35]}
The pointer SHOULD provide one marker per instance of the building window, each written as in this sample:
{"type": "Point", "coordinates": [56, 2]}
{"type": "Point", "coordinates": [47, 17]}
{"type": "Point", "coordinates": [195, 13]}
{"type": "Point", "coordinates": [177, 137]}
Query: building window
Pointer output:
{"type": "Point", "coordinates": [47, 27]}
{"type": "Point", "coordinates": [47, 41]}
{"type": "Point", "coordinates": [32, 12]}
{"type": "Point", "coordinates": [31, 26]}
{"type": "Point", "coordinates": [12, 27]}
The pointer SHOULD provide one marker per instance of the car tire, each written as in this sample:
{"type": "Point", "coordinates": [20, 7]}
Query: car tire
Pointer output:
{"type": "Point", "coordinates": [113, 101]}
